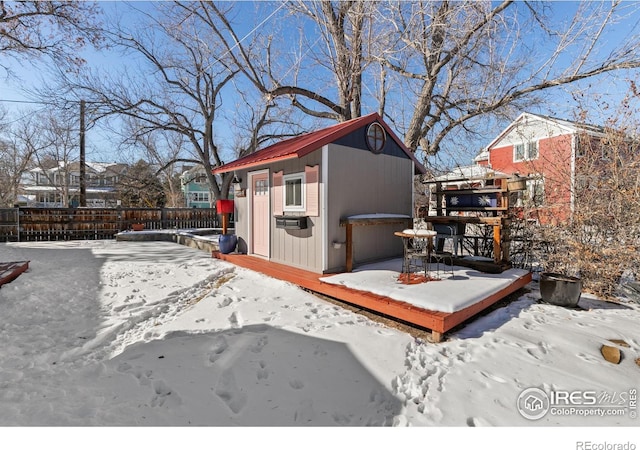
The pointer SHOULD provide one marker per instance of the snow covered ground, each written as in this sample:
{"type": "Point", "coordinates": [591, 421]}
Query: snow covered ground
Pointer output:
{"type": "Point", "coordinates": [105, 333]}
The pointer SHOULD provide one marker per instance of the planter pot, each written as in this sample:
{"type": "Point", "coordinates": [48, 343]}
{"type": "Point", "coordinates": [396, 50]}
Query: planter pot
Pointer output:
{"type": "Point", "coordinates": [517, 185]}
{"type": "Point", "coordinates": [227, 243]}
{"type": "Point", "coordinates": [137, 226]}
{"type": "Point", "coordinates": [560, 290]}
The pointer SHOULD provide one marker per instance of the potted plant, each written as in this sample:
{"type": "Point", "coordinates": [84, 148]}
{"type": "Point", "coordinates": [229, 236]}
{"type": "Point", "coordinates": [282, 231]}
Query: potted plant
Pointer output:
{"type": "Point", "coordinates": [226, 242]}
{"type": "Point", "coordinates": [517, 183]}
{"type": "Point", "coordinates": [560, 283]}
{"type": "Point", "coordinates": [561, 290]}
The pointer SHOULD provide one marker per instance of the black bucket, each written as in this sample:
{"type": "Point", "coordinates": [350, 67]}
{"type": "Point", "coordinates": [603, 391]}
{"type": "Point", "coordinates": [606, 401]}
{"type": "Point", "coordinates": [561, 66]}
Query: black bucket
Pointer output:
{"type": "Point", "coordinates": [560, 290]}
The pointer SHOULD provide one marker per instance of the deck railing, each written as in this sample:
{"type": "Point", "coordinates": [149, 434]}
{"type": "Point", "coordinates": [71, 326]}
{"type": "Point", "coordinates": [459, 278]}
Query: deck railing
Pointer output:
{"type": "Point", "coordinates": [55, 224]}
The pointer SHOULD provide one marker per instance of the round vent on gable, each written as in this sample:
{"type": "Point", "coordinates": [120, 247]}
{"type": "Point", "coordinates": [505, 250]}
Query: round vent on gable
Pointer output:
{"type": "Point", "coordinates": [376, 137]}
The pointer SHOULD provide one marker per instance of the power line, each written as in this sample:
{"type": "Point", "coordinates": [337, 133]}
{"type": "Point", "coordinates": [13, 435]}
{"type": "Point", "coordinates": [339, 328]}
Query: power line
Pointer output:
{"type": "Point", "coordinates": [21, 101]}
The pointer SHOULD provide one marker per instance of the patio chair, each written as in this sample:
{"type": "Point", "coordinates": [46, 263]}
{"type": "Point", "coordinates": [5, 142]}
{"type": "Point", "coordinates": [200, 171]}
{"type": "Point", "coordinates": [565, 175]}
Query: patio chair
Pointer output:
{"type": "Point", "coordinates": [446, 258]}
{"type": "Point", "coordinates": [452, 230]}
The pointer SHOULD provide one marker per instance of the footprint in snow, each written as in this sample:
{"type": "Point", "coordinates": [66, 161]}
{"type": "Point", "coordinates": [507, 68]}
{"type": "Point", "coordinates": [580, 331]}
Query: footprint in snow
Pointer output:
{"type": "Point", "coordinates": [124, 367]}
{"type": "Point", "coordinates": [262, 372]}
{"type": "Point", "coordinates": [341, 419]}
{"type": "Point", "coordinates": [235, 320]}
{"type": "Point", "coordinates": [258, 346]}
{"type": "Point", "coordinates": [493, 377]}
{"type": "Point", "coordinates": [539, 351]}
{"type": "Point", "coordinates": [226, 302]}
{"type": "Point", "coordinates": [296, 384]}
{"type": "Point", "coordinates": [589, 358]}
{"type": "Point", "coordinates": [227, 390]}
{"type": "Point", "coordinates": [272, 316]}
{"type": "Point", "coordinates": [384, 332]}
{"type": "Point", "coordinates": [217, 348]}
{"type": "Point", "coordinates": [477, 422]}
{"type": "Point", "coordinates": [304, 413]}
{"type": "Point", "coordinates": [164, 395]}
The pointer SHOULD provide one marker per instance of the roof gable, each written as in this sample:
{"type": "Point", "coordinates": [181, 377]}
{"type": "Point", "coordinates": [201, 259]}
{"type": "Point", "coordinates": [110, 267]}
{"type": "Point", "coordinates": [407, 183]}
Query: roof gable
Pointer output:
{"type": "Point", "coordinates": [302, 145]}
{"type": "Point", "coordinates": [529, 127]}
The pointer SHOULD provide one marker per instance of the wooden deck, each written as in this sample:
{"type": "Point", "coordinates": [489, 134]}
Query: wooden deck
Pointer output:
{"type": "Point", "coordinates": [438, 322]}
{"type": "Point", "coordinates": [9, 271]}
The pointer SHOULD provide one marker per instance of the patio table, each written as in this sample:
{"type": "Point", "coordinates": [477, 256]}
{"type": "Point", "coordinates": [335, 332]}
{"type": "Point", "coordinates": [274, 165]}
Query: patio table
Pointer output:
{"type": "Point", "coordinates": [414, 249]}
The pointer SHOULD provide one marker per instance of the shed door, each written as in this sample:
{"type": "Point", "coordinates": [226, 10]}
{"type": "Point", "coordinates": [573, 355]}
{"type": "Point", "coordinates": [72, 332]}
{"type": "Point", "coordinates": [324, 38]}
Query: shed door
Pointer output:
{"type": "Point", "coordinates": [260, 214]}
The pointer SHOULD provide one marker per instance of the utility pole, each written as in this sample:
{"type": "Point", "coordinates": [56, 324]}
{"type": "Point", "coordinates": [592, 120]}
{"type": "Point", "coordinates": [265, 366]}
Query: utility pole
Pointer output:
{"type": "Point", "coordinates": [83, 184]}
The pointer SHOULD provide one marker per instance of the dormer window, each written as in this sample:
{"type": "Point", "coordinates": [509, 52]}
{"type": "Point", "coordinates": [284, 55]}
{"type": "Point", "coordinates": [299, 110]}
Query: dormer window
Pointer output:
{"type": "Point", "coordinates": [525, 151]}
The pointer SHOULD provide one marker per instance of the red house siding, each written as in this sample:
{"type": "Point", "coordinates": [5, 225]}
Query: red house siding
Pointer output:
{"type": "Point", "coordinates": [553, 164]}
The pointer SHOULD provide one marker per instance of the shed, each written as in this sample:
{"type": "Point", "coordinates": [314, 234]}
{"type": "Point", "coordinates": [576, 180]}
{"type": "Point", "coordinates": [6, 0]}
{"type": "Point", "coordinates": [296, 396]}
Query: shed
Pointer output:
{"type": "Point", "coordinates": [293, 197]}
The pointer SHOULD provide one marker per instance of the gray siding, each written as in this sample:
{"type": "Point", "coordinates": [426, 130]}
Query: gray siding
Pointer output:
{"type": "Point", "coordinates": [358, 182]}
{"type": "Point", "coordinates": [241, 214]}
{"type": "Point", "coordinates": [361, 182]}
{"type": "Point", "coordinates": [299, 248]}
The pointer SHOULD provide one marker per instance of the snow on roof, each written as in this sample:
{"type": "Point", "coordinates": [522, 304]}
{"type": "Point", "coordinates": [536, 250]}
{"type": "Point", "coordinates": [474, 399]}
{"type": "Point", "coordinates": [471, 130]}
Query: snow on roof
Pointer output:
{"type": "Point", "coordinates": [97, 167]}
{"type": "Point", "coordinates": [471, 172]}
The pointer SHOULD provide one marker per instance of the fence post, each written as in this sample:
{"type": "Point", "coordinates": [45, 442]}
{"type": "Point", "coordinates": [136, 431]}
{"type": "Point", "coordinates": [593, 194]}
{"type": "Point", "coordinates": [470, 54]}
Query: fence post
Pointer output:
{"type": "Point", "coordinates": [163, 218]}
{"type": "Point", "coordinates": [18, 222]}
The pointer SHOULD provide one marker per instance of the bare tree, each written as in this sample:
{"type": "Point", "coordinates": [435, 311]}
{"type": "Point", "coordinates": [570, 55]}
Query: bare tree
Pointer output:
{"type": "Point", "coordinates": [31, 29]}
{"type": "Point", "coordinates": [39, 140]}
{"type": "Point", "coordinates": [178, 87]}
{"type": "Point", "coordinates": [451, 62]}
{"type": "Point", "coordinates": [600, 241]}
{"type": "Point", "coordinates": [467, 59]}
{"type": "Point", "coordinates": [15, 160]}
{"type": "Point", "coordinates": [162, 149]}
{"type": "Point", "coordinates": [342, 35]}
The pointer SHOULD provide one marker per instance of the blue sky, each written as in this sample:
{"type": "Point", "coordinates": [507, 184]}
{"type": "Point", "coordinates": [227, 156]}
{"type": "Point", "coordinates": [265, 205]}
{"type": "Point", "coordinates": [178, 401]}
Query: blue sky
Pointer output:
{"type": "Point", "coordinates": [559, 102]}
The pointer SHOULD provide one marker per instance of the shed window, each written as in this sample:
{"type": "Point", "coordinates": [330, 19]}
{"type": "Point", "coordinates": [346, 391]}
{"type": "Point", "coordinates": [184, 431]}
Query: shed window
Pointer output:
{"type": "Point", "coordinates": [294, 192]}
{"type": "Point", "coordinates": [376, 138]}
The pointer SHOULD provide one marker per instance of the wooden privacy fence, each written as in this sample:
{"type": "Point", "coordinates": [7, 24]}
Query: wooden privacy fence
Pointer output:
{"type": "Point", "coordinates": [56, 224]}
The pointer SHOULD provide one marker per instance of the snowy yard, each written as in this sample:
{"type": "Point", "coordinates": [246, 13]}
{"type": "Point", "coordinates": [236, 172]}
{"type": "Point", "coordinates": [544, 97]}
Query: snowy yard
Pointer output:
{"type": "Point", "coordinates": [104, 333]}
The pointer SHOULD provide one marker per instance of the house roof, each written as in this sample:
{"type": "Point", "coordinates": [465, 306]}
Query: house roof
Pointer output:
{"type": "Point", "coordinates": [566, 125]}
{"type": "Point", "coordinates": [468, 173]}
{"type": "Point", "coordinates": [95, 167]}
{"type": "Point", "coordinates": [302, 145]}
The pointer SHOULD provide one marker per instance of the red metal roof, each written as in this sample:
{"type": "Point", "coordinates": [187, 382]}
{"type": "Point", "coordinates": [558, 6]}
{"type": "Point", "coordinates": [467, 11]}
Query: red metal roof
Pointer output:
{"type": "Point", "coordinates": [302, 145]}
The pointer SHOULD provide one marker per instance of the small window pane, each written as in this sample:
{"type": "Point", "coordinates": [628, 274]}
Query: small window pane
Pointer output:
{"type": "Point", "coordinates": [533, 150]}
{"type": "Point", "coordinates": [293, 192]}
{"type": "Point", "coordinates": [519, 152]}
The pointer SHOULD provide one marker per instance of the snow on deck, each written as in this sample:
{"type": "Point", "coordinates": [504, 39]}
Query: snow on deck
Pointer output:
{"type": "Point", "coordinates": [451, 293]}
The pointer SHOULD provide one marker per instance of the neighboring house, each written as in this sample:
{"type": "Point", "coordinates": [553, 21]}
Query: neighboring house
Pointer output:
{"type": "Point", "coordinates": [59, 185]}
{"type": "Point", "coordinates": [195, 187]}
{"type": "Point", "coordinates": [299, 190]}
{"type": "Point", "coordinates": [546, 151]}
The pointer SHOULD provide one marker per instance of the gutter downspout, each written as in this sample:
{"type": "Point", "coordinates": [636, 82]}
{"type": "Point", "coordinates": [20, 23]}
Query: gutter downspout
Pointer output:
{"type": "Point", "coordinates": [324, 211]}
{"type": "Point", "coordinates": [572, 182]}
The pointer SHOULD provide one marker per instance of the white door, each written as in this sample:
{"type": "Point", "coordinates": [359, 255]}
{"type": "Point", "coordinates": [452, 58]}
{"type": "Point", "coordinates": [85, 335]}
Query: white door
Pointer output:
{"type": "Point", "coordinates": [260, 213]}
